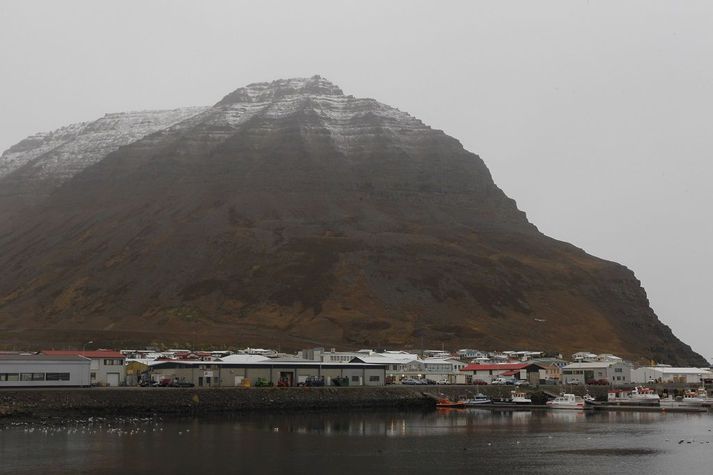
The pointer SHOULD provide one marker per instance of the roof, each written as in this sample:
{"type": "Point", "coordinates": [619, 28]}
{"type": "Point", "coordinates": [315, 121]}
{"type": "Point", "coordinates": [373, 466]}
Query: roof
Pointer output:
{"type": "Point", "coordinates": [590, 365]}
{"type": "Point", "coordinates": [387, 359]}
{"type": "Point", "coordinates": [266, 362]}
{"type": "Point", "coordinates": [243, 358]}
{"type": "Point", "coordinates": [48, 358]}
{"type": "Point", "coordinates": [86, 354]}
{"type": "Point", "coordinates": [495, 366]}
{"type": "Point", "coordinates": [435, 360]}
{"type": "Point", "coordinates": [681, 370]}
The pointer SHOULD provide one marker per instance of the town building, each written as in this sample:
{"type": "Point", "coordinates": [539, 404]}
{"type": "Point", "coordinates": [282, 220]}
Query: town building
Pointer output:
{"type": "Point", "coordinates": [234, 372]}
{"type": "Point", "coordinates": [469, 354]}
{"type": "Point", "coordinates": [611, 372]}
{"type": "Point", "coordinates": [533, 373]}
{"type": "Point", "coordinates": [670, 375]}
{"type": "Point", "coordinates": [583, 357]}
{"type": "Point", "coordinates": [106, 368]}
{"type": "Point", "coordinates": [30, 370]}
{"type": "Point", "coordinates": [444, 370]}
{"type": "Point", "coordinates": [553, 367]}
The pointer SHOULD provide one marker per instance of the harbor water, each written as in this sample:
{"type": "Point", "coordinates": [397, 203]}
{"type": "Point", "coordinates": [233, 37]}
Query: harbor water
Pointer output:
{"type": "Point", "coordinates": [449, 441]}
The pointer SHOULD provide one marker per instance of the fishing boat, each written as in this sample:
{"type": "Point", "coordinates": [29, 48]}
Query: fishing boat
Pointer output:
{"type": "Point", "coordinates": [702, 394]}
{"type": "Point", "coordinates": [520, 397]}
{"type": "Point", "coordinates": [639, 396]}
{"type": "Point", "coordinates": [479, 400]}
{"type": "Point", "coordinates": [566, 401]}
{"type": "Point", "coordinates": [693, 398]}
{"type": "Point", "coordinates": [445, 403]}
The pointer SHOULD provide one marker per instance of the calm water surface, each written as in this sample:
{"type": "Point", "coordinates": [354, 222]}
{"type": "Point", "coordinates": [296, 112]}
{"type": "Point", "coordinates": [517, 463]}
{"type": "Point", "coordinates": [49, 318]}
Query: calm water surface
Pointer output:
{"type": "Point", "coordinates": [475, 441]}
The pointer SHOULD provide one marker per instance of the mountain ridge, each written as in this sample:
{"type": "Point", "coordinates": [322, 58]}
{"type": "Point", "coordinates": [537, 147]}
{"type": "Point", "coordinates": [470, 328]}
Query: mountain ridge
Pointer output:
{"type": "Point", "coordinates": [289, 213]}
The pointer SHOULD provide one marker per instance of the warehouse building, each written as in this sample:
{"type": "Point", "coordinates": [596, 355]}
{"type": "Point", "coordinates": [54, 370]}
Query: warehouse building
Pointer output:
{"type": "Point", "coordinates": [107, 366]}
{"type": "Point", "coordinates": [234, 372]}
{"type": "Point", "coordinates": [668, 374]}
{"type": "Point", "coordinates": [21, 370]}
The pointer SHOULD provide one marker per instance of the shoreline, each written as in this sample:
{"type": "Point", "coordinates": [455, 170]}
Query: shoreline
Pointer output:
{"type": "Point", "coordinates": [32, 403]}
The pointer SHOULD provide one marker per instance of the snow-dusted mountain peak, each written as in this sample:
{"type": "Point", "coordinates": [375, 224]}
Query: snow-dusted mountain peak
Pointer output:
{"type": "Point", "coordinates": [275, 90]}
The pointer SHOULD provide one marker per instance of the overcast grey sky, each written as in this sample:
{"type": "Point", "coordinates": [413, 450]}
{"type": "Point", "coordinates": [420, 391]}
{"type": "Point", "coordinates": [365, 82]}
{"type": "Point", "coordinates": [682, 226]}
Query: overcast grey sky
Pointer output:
{"type": "Point", "coordinates": [593, 115]}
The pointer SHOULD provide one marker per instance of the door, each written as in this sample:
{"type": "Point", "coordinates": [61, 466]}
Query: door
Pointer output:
{"type": "Point", "coordinates": [112, 379]}
{"type": "Point", "coordinates": [288, 377]}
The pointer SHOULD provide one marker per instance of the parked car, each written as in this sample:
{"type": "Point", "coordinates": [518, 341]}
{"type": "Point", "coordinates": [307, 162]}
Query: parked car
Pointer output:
{"type": "Point", "coordinates": [182, 384]}
{"type": "Point", "coordinates": [520, 382]}
{"type": "Point", "coordinates": [574, 381]}
{"type": "Point", "coordinates": [314, 381]}
{"type": "Point", "coordinates": [443, 381]}
{"type": "Point", "coordinates": [428, 381]}
{"type": "Point", "coordinates": [479, 382]}
{"type": "Point", "coordinates": [598, 382]}
{"type": "Point", "coordinates": [262, 383]}
{"type": "Point", "coordinates": [410, 381]}
{"type": "Point", "coordinates": [503, 381]}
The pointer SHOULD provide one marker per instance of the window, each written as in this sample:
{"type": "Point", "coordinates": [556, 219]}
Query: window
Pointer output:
{"type": "Point", "coordinates": [374, 379]}
{"type": "Point", "coordinates": [8, 377]}
{"type": "Point", "coordinates": [93, 376]}
{"type": "Point", "coordinates": [57, 377]}
{"type": "Point", "coordinates": [618, 370]}
{"type": "Point", "coordinates": [355, 379]}
{"type": "Point", "coordinates": [25, 376]}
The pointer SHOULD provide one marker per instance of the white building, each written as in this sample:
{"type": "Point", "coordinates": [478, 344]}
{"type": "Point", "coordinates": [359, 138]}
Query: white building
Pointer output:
{"type": "Point", "coordinates": [584, 357]}
{"type": "Point", "coordinates": [616, 373]}
{"type": "Point", "coordinates": [668, 374]}
{"type": "Point", "coordinates": [43, 371]}
{"type": "Point", "coordinates": [444, 369]}
{"type": "Point", "coordinates": [107, 367]}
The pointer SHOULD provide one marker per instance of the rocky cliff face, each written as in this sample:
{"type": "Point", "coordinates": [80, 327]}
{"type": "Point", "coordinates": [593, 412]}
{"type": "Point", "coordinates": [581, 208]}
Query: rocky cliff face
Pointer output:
{"type": "Point", "coordinates": [292, 214]}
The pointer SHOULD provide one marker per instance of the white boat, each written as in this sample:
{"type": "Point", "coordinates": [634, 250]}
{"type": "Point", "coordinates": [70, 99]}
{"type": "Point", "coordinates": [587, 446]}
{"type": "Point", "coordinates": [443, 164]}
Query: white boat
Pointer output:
{"type": "Point", "coordinates": [519, 397]}
{"type": "Point", "coordinates": [638, 396]}
{"type": "Point", "coordinates": [566, 401]}
{"type": "Point", "coordinates": [479, 400]}
{"type": "Point", "coordinates": [693, 398]}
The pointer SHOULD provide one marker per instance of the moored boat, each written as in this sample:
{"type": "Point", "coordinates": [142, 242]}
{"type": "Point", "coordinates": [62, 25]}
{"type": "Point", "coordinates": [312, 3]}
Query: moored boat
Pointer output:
{"type": "Point", "coordinates": [479, 400]}
{"type": "Point", "coordinates": [639, 396]}
{"type": "Point", "coordinates": [520, 397]}
{"type": "Point", "coordinates": [566, 401]}
{"type": "Point", "coordinates": [445, 403]}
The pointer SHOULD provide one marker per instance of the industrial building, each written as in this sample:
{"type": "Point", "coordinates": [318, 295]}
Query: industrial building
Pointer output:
{"type": "Point", "coordinates": [23, 370]}
{"type": "Point", "coordinates": [668, 374]}
{"type": "Point", "coordinates": [612, 372]}
{"type": "Point", "coordinates": [233, 372]}
{"type": "Point", "coordinates": [107, 366]}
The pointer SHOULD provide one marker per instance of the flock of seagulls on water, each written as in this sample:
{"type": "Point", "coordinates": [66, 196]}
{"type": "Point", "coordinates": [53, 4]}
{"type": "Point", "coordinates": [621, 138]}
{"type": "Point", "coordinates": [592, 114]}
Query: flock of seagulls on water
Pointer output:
{"type": "Point", "coordinates": [119, 426]}
{"type": "Point", "coordinates": [133, 426]}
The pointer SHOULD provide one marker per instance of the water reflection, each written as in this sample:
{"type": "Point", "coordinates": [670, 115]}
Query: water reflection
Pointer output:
{"type": "Point", "coordinates": [358, 442]}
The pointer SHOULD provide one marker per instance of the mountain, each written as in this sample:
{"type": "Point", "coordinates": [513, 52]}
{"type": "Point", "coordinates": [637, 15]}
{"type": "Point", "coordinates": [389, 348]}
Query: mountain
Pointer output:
{"type": "Point", "coordinates": [292, 214]}
{"type": "Point", "coordinates": [32, 169]}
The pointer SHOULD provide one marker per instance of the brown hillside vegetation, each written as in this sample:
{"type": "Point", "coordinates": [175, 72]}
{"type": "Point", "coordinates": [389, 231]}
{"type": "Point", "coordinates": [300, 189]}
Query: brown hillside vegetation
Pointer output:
{"type": "Point", "coordinates": [292, 215]}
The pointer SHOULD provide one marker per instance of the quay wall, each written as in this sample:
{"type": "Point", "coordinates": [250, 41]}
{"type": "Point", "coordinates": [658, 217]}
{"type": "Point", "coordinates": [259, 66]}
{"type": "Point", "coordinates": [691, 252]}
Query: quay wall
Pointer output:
{"type": "Point", "coordinates": [183, 401]}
